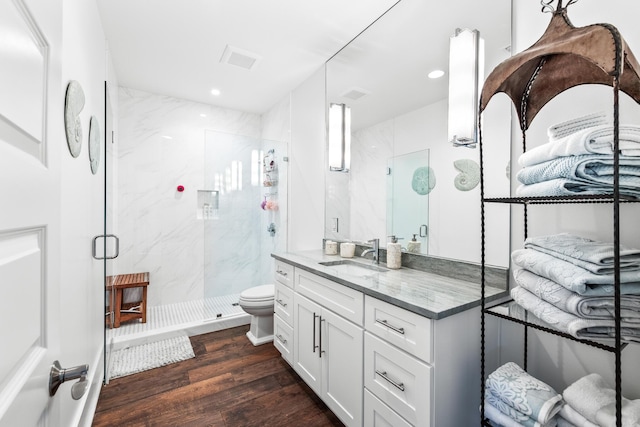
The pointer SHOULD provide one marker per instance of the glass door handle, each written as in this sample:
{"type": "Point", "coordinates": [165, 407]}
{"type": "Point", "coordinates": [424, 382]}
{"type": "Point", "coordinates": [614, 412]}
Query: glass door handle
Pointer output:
{"type": "Point", "coordinates": [94, 249]}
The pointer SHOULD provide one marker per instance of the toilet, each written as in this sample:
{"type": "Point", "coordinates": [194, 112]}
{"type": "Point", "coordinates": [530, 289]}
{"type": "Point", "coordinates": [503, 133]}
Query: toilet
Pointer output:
{"type": "Point", "coordinates": [258, 302]}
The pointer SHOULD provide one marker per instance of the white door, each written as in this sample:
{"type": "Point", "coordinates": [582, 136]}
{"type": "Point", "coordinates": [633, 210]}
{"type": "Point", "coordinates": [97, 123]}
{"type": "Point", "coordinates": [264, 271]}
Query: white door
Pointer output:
{"type": "Point", "coordinates": [342, 377]}
{"type": "Point", "coordinates": [306, 327]}
{"type": "Point", "coordinates": [31, 140]}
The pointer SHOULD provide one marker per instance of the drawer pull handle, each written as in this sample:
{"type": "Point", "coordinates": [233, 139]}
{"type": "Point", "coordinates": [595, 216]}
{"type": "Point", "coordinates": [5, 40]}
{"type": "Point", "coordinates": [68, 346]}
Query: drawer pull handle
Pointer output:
{"type": "Point", "coordinates": [395, 328]}
{"type": "Point", "coordinates": [279, 301]}
{"type": "Point", "coordinates": [383, 374]}
{"type": "Point", "coordinates": [282, 273]}
{"type": "Point", "coordinates": [281, 339]}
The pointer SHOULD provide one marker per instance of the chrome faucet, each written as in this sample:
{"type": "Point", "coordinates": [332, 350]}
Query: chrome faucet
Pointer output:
{"type": "Point", "coordinates": [375, 250]}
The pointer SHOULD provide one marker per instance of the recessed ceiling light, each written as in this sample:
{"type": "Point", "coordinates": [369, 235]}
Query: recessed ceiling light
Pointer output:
{"type": "Point", "coordinates": [215, 92]}
{"type": "Point", "coordinates": [435, 74]}
{"type": "Point", "coordinates": [203, 115]}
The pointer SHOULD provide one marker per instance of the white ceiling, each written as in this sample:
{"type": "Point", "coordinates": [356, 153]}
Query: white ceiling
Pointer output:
{"type": "Point", "coordinates": [173, 47]}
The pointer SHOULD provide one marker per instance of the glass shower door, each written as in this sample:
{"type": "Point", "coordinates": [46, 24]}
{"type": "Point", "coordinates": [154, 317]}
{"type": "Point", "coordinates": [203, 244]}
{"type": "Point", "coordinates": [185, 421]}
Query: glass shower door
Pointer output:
{"type": "Point", "coordinates": [241, 204]}
{"type": "Point", "coordinates": [409, 182]}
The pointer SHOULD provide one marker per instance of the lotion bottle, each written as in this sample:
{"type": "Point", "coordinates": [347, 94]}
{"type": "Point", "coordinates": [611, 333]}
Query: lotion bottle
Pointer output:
{"type": "Point", "coordinates": [413, 246]}
{"type": "Point", "coordinates": [394, 253]}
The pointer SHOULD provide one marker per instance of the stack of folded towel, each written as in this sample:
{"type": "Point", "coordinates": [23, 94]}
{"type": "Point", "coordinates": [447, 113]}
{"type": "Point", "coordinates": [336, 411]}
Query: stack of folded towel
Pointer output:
{"type": "Point", "coordinates": [590, 402]}
{"type": "Point", "coordinates": [514, 398]}
{"type": "Point", "coordinates": [568, 282]}
{"type": "Point", "coordinates": [578, 160]}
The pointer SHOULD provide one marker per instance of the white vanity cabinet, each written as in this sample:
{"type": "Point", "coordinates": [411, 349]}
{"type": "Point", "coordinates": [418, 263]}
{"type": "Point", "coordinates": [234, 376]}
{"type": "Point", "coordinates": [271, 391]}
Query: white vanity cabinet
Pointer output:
{"type": "Point", "coordinates": [283, 311]}
{"type": "Point", "coordinates": [328, 345]}
{"type": "Point", "coordinates": [374, 363]}
{"type": "Point", "coordinates": [418, 371]}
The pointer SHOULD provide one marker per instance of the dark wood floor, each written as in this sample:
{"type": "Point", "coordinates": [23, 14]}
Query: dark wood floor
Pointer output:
{"type": "Point", "coordinates": [230, 383]}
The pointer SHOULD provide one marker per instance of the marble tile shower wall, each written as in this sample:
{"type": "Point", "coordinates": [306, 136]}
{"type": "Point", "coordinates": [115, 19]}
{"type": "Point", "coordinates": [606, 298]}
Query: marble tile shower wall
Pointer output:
{"type": "Point", "coordinates": [160, 146]}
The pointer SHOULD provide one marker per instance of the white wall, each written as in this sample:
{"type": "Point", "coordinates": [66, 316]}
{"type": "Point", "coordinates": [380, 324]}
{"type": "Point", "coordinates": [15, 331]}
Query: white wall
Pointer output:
{"type": "Point", "coordinates": [556, 361]}
{"type": "Point", "coordinates": [306, 170]}
{"type": "Point", "coordinates": [84, 60]}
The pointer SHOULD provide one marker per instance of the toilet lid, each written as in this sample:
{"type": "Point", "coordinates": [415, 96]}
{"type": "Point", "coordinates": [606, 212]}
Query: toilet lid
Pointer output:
{"type": "Point", "coordinates": [262, 292]}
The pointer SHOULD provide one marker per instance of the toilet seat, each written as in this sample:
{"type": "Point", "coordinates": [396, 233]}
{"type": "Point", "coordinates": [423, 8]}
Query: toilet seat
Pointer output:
{"type": "Point", "coordinates": [258, 293]}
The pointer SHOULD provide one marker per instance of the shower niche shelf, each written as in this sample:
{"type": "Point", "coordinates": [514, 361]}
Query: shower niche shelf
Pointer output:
{"type": "Point", "coordinates": [207, 204]}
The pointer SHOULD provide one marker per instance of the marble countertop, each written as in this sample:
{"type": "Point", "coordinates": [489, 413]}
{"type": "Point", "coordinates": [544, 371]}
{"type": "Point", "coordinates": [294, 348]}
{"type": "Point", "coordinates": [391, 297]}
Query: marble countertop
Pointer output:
{"type": "Point", "coordinates": [430, 295]}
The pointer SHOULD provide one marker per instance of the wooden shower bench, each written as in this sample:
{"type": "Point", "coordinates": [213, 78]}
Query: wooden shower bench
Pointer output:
{"type": "Point", "coordinates": [124, 312]}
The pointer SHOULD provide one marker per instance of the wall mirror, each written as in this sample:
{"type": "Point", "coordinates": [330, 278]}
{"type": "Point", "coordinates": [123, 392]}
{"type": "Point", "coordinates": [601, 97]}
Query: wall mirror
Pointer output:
{"type": "Point", "coordinates": [399, 134]}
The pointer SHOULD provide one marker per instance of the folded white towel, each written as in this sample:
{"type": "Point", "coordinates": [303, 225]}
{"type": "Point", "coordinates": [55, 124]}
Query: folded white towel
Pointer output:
{"type": "Point", "coordinates": [575, 278]}
{"type": "Point", "coordinates": [592, 255]}
{"type": "Point", "coordinates": [563, 129]}
{"type": "Point", "coordinates": [588, 395]}
{"type": "Point", "coordinates": [572, 416]}
{"type": "Point", "coordinates": [606, 416]}
{"type": "Point", "coordinates": [571, 324]}
{"type": "Point", "coordinates": [520, 391]}
{"type": "Point", "coordinates": [497, 418]}
{"type": "Point", "coordinates": [564, 423]}
{"type": "Point", "coordinates": [588, 307]}
{"type": "Point", "coordinates": [500, 419]}
{"type": "Point", "coordinates": [571, 187]}
{"type": "Point", "coordinates": [594, 140]}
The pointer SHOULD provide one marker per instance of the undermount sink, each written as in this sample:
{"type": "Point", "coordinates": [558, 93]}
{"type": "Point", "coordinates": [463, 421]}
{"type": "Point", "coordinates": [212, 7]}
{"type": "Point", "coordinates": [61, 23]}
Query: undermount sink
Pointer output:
{"type": "Point", "coordinates": [353, 268]}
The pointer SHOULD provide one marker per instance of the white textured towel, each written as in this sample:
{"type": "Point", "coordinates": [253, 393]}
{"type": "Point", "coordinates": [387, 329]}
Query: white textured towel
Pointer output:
{"type": "Point", "coordinates": [588, 307]}
{"type": "Point", "coordinates": [500, 419]}
{"type": "Point", "coordinates": [516, 393]}
{"type": "Point", "coordinates": [594, 140]}
{"type": "Point", "coordinates": [574, 125]}
{"type": "Point", "coordinates": [575, 278]}
{"type": "Point", "coordinates": [630, 414]}
{"type": "Point", "coordinates": [571, 324]}
{"type": "Point", "coordinates": [588, 395]}
{"type": "Point", "coordinates": [592, 255]}
{"type": "Point", "coordinates": [573, 417]}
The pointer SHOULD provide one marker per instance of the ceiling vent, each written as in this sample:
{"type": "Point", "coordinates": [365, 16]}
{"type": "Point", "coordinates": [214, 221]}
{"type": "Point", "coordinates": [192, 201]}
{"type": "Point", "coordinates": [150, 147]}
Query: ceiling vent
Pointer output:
{"type": "Point", "coordinates": [239, 57]}
{"type": "Point", "coordinates": [355, 93]}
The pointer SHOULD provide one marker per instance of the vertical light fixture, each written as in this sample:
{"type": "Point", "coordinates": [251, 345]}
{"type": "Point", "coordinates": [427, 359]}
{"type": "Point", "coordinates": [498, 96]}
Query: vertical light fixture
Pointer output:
{"type": "Point", "coordinates": [339, 137]}
{"type": "Point", "coordinates": [466, 71]}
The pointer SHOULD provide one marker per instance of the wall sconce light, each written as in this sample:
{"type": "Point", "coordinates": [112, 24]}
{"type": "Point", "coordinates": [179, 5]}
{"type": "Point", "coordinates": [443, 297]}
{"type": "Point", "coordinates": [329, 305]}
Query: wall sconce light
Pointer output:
{"type": "Point", "coordinates": [339, 138]}
{"type": "Point", "coordinates": [466, 71]}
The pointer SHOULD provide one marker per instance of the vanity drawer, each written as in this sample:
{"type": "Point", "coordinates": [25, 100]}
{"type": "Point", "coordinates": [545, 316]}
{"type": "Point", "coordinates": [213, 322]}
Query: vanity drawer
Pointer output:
{"type": "Point", "coordinates": [283, 302]}
{"type": "Point", "coordinates": [284, 273]}
{"type": "Point", "coordinates": [283, 338]}
{"type": "Point", "coordinates": [377, 414]}
{"type": "Point", "coordinates": [338, 298]}
{"type": "Point", "coordinates": [409, 331]}
{"type": "Point", "coordinates": [401, 381]}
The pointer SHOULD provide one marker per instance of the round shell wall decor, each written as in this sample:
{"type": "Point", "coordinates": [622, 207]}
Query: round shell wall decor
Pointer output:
{"type": "Point", "coordinates": [469, 175]}
{"type": "Point", "coordinates": [73, 104]}
{"type": "Point", "coordinates": [94, 144]}
{"type": "Point", "coordinates": [423, 180]}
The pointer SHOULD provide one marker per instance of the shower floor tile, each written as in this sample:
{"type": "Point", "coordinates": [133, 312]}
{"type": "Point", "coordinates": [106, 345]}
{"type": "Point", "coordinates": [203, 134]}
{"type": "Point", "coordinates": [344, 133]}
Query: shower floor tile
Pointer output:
{"type": "Point", "coordinates": [168, 317]}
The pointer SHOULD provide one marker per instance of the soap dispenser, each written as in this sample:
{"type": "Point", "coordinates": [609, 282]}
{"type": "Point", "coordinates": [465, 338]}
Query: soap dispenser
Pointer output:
{"type": "Point", "coordinates": [413, 246]}
{"type": "Point", "coordinates": [394, 253]}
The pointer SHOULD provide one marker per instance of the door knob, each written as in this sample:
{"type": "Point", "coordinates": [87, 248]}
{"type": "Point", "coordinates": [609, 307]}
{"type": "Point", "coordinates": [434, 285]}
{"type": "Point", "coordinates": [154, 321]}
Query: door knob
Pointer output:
{"type": "Point", "coordinates": [58, 375]}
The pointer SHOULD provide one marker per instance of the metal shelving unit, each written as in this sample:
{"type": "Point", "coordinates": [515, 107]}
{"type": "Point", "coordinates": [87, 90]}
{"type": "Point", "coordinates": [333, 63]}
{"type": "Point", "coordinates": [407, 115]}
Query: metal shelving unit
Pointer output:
{"type": "Point", "coordinates": [562, 58]}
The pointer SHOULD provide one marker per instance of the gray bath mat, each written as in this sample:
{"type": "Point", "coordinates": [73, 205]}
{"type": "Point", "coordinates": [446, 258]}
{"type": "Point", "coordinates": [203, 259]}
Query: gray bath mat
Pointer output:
{"type": "Point", "coordinates": [143, 357]}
